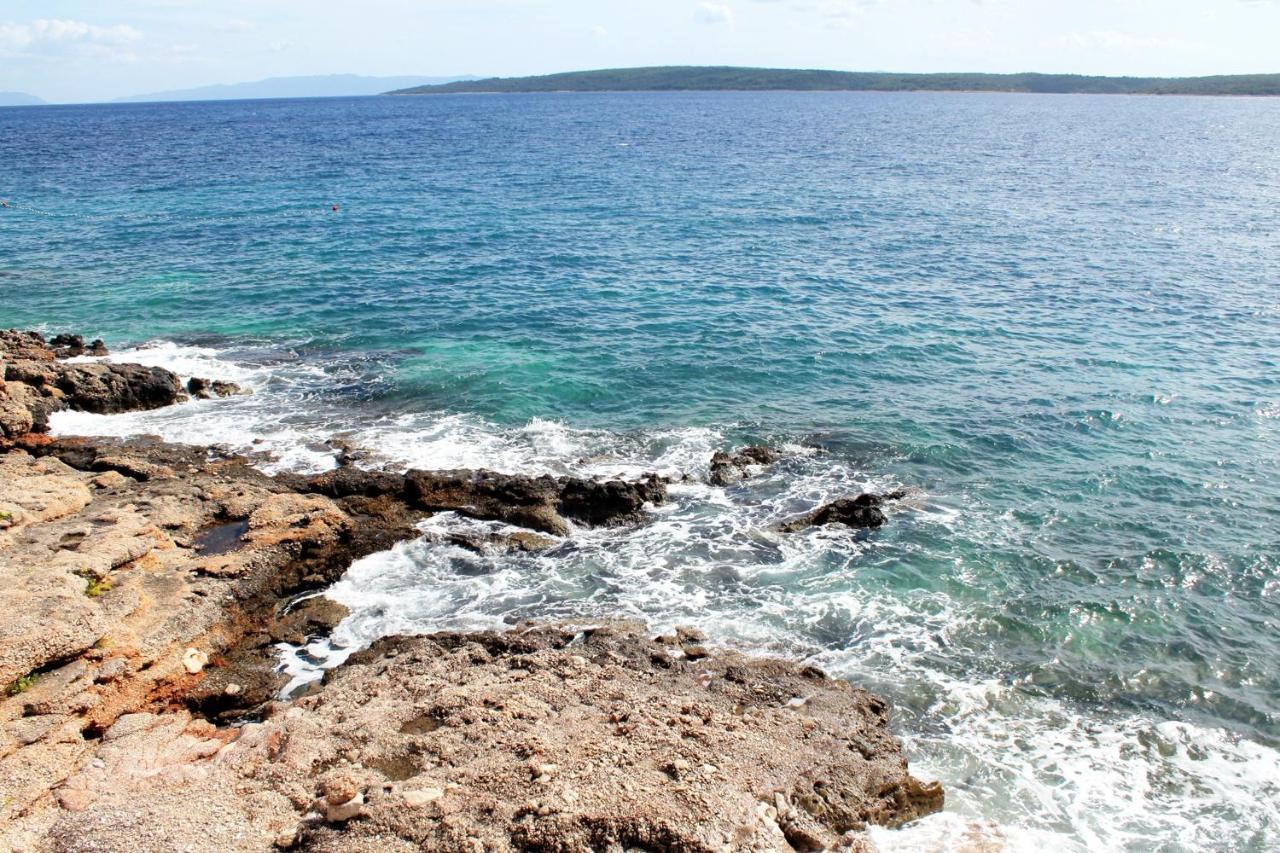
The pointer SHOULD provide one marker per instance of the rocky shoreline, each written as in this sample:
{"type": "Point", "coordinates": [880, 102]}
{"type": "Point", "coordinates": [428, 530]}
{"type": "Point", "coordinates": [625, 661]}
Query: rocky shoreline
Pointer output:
{"type": "Point", "coordinates": [146, 585]}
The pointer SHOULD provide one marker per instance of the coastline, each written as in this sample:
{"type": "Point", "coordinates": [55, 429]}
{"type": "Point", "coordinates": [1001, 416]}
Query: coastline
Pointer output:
{"type": "Point", "coordinates": [156, 580]}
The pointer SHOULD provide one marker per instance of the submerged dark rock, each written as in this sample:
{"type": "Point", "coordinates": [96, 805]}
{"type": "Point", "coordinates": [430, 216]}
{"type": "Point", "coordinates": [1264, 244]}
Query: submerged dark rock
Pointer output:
{"type": "Point", "coordinates": [222, 538]}
{"type": "Point", "coordinates": [729, 468]}
{"type": "Point", "coordinates": [861, 512]}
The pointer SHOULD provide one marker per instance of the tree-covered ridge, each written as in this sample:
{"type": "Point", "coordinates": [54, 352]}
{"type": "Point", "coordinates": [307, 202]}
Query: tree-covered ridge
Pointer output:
{"type": "Point", "coordinates": [697, 78]}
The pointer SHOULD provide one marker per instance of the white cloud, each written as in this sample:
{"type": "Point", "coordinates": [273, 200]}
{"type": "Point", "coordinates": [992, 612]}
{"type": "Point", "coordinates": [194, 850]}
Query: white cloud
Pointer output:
{"type": "Point", "coordinates": [713, 13]}
{"type": "Point", "coordinates": [600, 32]}
{"type": "Point", "coordinates": [54, 31]}
{"type": "Point", "coordinates": [236, 25]}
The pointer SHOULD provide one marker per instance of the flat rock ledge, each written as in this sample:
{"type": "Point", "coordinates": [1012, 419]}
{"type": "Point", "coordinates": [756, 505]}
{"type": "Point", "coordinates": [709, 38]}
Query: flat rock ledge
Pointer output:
{"type": "Point", "coordinates": [540, 738]}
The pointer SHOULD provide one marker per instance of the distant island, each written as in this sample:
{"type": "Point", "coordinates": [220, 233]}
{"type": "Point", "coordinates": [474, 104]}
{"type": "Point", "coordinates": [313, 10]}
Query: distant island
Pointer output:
{"type": "Point", "coordinates": [323, 86]}
{"type": "Point", "coordinates": [19, 99]}
{"type": "Point", "coordinates": [698, 78]}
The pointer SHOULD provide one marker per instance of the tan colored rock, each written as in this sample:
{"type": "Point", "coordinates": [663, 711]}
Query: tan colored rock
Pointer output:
{"type": "Point", "coordinates": [616, 757]}
{"type": "Point", "coordinates": [295, 518]}
{"type": "Point", "coordinates": [537, 738]}
{"type": "Point", "coordinates": [419, 797]}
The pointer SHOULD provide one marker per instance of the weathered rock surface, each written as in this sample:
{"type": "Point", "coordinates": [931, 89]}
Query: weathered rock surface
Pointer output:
{"type": "Point", "coordinates": [542, 738]}
{"type": "Point", "coordinates": [864, 511]}
{"type": "Point", "coordinates": [729, 468]}
{"type": "Point", "coordinates": [545, 504]}
{"type": "Point", "coordinates": [110, 609]}
{"type": "Point", "coordinates": [208, 389]}
{"type": "Point", "coordinates": [37, 383]}
{"type": "Point", "coordinates": [145, 585]}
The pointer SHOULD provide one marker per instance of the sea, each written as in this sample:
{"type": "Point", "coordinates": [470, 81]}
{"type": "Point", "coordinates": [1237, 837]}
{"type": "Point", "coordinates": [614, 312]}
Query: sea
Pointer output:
{"type": "Point", "coordinates": [1055, 320]}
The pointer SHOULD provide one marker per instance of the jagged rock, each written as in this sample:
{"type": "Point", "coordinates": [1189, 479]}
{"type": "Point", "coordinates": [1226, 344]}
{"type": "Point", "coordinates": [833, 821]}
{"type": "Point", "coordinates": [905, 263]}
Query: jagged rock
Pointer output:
{"type": "Point", "coordinates": [611, 502]}
{"type": "Point", "coordinates": [205, 389]}
{"type": "Point", "coordinates": [15, 419]}
{"type": "Point", "coordinates": [317, 615]}
{"type": "Point", "coordinates": [729, 468]}
{"type": "Point", "coordinates": [539, 503]}
{"type": "Point", "coordinates": [104, 594]}
{"type": "Point", "coordinates": [25, 346]}
{"type": "Point", "coordinates": [864, 511]}
{"type": "Point", "coordinates": [37, 382]}
{"type": "Point", "coordinates": [67, 346]}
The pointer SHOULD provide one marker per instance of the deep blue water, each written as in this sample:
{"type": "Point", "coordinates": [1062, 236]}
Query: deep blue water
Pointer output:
{"type": "Point", "coordinates": [1057, 318]}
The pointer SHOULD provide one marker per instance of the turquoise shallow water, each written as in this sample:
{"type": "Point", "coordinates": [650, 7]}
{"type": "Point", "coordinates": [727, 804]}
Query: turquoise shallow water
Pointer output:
{"type": "Point", "coordinates": [1058, 318]}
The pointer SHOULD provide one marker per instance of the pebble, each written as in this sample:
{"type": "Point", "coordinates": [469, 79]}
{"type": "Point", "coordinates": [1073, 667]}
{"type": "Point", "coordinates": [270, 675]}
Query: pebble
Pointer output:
{"type": "Point", "coordinates": [194, 661]}
{"type": "Point", "coordinates": [422, 796]}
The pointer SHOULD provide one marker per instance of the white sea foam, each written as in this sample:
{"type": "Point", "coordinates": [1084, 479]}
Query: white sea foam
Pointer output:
{"type": "Point", "coordinates": [1030, 772]}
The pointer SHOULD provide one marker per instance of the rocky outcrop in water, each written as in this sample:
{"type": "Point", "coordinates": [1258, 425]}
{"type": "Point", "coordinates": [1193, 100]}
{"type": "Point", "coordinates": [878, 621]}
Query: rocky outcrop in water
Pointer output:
{"type": "Point", "coordinates": [729, 468]}
{"type": "Point", "coordinates": [208, 389]}
{"type": "Point", "coordinates": [37, 383]}
{"type": "Point", "coordinates": [145, 586]}
{"type": "Point", "coordinates": [73, 346]}
{"type": "Point", "coordinates": [864, 511]}
{"type": "Point", "coordinates": [545, 504]}
{"type": "Point", "coordinates": [145, 612]}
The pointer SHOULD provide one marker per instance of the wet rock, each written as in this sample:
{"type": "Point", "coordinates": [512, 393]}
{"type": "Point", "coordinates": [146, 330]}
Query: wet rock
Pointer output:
{"type": "Point", "coordinates": [206, 389]}
{"type": "Point", "coordinates": [530, 542]}
{"type": "Point", "coordinates": [67, 346]}
{"type": "Point", "coordinates": [524, 542]}
{"type": "Point", "coordinates": [609, 503]}
{"type": "Point", "coordinates": [348, 481]}
{"type": "Point", "coordinates": [38, 382]}
{"type": "Point", "coordinates": [199, 388]}
{"type": "Point", "coordinates": [729, 468]}
{"type": "Point", "coordinates": [861, 512]}
{"type": "Point", "coordinates": [522, 501]}
{"type": "Point", "coordinates": [315, 616]}
{"type": "Point", "coordinates": [538, 503]}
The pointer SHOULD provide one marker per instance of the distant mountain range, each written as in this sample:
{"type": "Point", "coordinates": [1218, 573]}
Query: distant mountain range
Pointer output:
{"type": "Point", "coordinates": [326, 86]}
{"type": "Point", "coordinates": [698, 78]}
{"type": "Point", "coordinates": [18, 99]}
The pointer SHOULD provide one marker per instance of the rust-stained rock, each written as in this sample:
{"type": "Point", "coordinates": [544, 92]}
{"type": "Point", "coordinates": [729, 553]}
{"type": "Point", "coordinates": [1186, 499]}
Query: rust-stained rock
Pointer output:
{"type": "Point", "coordinates": [541, 738]}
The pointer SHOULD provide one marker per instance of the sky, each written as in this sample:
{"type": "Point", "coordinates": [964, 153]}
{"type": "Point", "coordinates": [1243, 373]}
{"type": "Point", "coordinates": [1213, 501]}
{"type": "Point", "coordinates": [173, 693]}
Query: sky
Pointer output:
{"type": "Point", "coordinates": [87, 50]}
